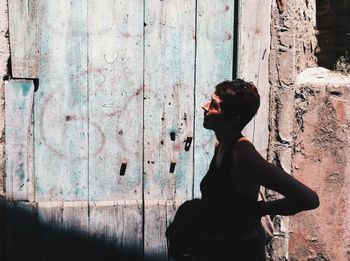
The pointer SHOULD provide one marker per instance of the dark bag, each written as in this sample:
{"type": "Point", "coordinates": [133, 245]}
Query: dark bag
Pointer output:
{"type": "Point", "coordinates": [183, 233]}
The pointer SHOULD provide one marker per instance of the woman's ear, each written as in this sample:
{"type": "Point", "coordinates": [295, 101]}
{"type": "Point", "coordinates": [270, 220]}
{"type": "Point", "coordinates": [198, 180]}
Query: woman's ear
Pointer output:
{"type": "Point", "coordinates": [234, 121]}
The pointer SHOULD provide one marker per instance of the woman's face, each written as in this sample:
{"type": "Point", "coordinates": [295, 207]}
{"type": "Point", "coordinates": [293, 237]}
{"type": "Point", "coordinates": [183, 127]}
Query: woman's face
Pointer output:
{"type": "Point", "coordinates": [214, 118]}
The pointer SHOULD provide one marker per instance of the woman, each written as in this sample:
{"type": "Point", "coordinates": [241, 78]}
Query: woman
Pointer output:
{"type": "Point", "coordinates": [230, 213]}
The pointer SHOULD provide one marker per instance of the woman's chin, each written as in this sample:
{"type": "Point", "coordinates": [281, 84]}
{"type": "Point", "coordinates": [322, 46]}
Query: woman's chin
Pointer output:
{"type": "Point", "coordinates": [206, 125]}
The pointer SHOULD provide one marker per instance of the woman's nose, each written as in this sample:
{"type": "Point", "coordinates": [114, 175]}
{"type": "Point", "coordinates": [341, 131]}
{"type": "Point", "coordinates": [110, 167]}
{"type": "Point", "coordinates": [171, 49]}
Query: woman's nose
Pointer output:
{"type": "Point", "coordinates": [205, 105]}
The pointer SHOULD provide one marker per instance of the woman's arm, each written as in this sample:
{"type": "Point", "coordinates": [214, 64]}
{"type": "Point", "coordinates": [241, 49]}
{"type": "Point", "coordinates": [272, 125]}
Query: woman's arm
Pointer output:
{"type": "Point", "coordinates": [297, 196]}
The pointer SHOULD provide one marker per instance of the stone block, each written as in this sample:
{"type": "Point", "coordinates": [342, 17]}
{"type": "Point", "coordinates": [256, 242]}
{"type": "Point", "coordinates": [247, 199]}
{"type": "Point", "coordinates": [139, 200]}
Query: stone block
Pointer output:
{"type": "Point", "coordinates": [280, 246]}
{"type": "Point", "coordinates": [286, 159]}
{"type": "Point", "coordinates": [321, 161]}
{"type": "Point", "coordinates": [285, 118]}
{"type": "Point", "coordinates": [286, 63]}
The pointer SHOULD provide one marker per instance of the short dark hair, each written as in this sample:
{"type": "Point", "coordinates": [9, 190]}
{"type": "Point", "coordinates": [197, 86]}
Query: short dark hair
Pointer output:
{"type": "Point", "coordinates": [239, 98]}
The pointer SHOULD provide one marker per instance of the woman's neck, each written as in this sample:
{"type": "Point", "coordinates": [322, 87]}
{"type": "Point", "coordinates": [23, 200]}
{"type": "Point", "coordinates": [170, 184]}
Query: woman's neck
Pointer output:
{"type": "Point", "coordinates": [226, 138]}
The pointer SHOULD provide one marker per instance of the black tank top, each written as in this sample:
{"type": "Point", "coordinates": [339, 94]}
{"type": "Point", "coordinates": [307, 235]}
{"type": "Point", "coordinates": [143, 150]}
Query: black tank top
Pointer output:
{"type": "Point", "coordinates": [224, 211]}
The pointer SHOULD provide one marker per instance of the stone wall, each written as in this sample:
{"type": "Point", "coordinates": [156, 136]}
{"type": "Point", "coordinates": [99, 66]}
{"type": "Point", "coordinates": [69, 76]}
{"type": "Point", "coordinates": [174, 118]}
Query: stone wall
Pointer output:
{"type": "Point", "coordinates": [309, 129]}
{"type": "Point", "coordinates": [321, 159]}
{"type": "Point", "coordinates": [293, 43]}
{"type": "Point", "coordinates": [4, 58]}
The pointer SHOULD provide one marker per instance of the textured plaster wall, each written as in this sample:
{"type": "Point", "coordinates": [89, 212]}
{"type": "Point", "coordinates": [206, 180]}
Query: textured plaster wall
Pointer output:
{"type": "Point", "coordinates": [293, 43]}
{"type": "Point", "coordinates": [322, 159]}
{"type": "Point", "coordinates": [4, 56]}
{"type": "Point", "coordinates": [309, 133]}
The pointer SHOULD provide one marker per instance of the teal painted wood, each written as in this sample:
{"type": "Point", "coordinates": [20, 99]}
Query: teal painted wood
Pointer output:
{"type": "Point", "coordinates": [50, 218]}
{"type": "Point", "coordinates": [253, 52]}
{"type": "Point", "coordinates": [168, 114]}
{"type": "Point", "coordinates": [155, 244]}
{"type": "Point", "coordinates": [168, 105]}
{"type": "Point", "coordinates": [23, 28]}
{"type": "Point", "coordinates": [18, 116]}
{"type": "Point", "coordinates": [161, 213]}
{"type": "Point", "coordinates": [63, 231]}
{"type": "Point", "coordinates": [115, 99]}
{"type": "Point", "coordinates": [213, 65]}
{"type": "Point", "coordinates": [116, 230]}
{"type": "Point", "coordinates": [61, 111]}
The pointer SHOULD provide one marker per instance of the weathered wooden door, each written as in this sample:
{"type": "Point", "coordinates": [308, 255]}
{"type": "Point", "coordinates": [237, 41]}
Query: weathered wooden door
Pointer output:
{"type": "Point", "coordinates": [118, 137]}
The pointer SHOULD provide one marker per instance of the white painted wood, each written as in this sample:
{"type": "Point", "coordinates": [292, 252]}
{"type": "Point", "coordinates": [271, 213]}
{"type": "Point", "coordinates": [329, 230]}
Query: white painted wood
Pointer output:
{"type": "Point", "coordinates": [75, 221]}
{"type": "Point", "coordinates": [253, 54]}
{"type": "Point", "coordinates": [75, 216]}
{"type": "Point", "coordinates": [63, 233]}
{"type": "Point", "coordinates": [50, 219]}
{"type": "Point", "coordinates": [169, 69]}
{"type": "Point", "coordinates": [168, 114]}
{"type": "Point", "coordinates": [213, 65]}
{"type": "Point", "coordinates": [171, 208]}
{"type": "Point", "coordinates": [162, 213]}
{"type": "Point", "coordinates": [18, 116]}
{"type": "Point", "coordinates": [23, 28]}
{"type": "Point", "coordinates": [155, 227]}
{"type": "Point", "coordinates": [61, 110]}
{"type": "Point", "coordinates": [89, 118]}
{"type": "Point", "coordinates": [115, 99]}
{"type": "Point", "coordinates": [116, 230]}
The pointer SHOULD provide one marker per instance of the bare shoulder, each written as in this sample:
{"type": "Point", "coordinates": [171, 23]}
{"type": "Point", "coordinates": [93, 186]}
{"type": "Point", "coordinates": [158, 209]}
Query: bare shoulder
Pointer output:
{"type": "Point", "coordinates": [244, 153]}
{"type": "Point", "coordinates": [244, 146]}
{"type": "Point", "coordinates": [217, 144]}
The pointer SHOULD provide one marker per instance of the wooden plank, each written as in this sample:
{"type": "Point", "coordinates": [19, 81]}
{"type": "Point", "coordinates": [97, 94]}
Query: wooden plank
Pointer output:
{"type": "Point", "coordinates": [18, 116]}
{"type": "Point", "coordinates": [61, 103]}
{"type": "Point", "coordinates": [168, 113]}
{"type": "Point", "coordinates": [50, 219]}
{"type": "Point", "coordinates": [171, 208]}
{"type": "Point", "coordinates": [75, 231]}
{"type": "Point", "coordinates": [155, 227]}
{"type": "Point", "coordinates": [116, 230]}
{"type": "Point", "coordinates": [115, 99]}
{"type": "Point", "coordinates": [63, 230]}
{"type": "Point", "coordinates": [213, 65]}
{"type": "Point", "coordinates": [253, 53]}
{"type": "Point", "coordinates": [169, 69]}
{"type": "Point", "coordinates": [161, 212]}
{"type": "Point", "coordinates": [21, 232]}
{"type": "Point", "coordinates": [23, 27]}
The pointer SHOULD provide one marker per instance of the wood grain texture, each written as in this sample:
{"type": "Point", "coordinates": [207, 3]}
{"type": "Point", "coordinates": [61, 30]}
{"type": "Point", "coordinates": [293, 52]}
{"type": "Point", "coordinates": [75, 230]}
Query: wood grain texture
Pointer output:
{"type": "Point", "coordinates": [61, 111]}
{"type": "Point", "coordinates": [169, 79]}
{"type": "Point", "coordinates": [161, 212]}
{"type": "Point", "coordinates": [18, 117]}
{"type": "Point", "coordinates": [75, 223]}
{"type": "Point", "coordinates": [63, 233]}
{"type": "Point", "coordinates": [115, 99]}
{"type": "Point", "coordinates": [116, 230]}
{"type": "Point", "coordinates": [23, 29]}
{"type": "Point", "coordinates": [50, 219]}
{"type": "Point", "coordinates": [168, 114]}
{"type": "Point", "coordinates": [253, 52]}
{"type": "Point", "coordinates": [213, 65]}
